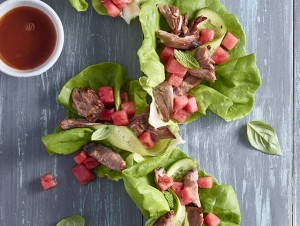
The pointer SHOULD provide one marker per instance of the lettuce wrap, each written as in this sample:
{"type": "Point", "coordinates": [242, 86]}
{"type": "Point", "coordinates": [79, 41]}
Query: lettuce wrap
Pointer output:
{"type": "Point", "coordinates": [232, 95]}
{"type": "Point", "coordinates": [120, 138]}
{"type": "Point", "coordinates": [139, 183]}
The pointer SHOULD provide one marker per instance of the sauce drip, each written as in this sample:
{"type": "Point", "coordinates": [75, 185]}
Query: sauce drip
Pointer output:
{"type": "Point", "coordinates": [27, 38]}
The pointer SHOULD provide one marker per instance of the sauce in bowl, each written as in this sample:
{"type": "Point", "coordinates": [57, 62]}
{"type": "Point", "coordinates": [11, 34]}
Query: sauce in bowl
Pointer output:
{"type": "Point", "coordinates": [27, 38]}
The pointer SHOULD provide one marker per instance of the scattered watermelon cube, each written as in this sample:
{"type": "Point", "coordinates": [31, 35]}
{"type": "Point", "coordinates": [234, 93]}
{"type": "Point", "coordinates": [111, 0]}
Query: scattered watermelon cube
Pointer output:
{"type": "Point", "coordinates": [187, 196]}
{"type": "Point", "coordinates": [206, 35]}
{"type": "Point", "coordinates": [220, 56]}
{"type": "Point", "coordinates": [230, 41]}
{"type": "Point", "coordinates": [105, 115]}
{"type": "Point", "coordinates": [147, 140]}
{"type": "Point", "coordinates": [80, 157]}
{"type": "Point", "coordinates": [164, 182]}
{"type": "Point", "coordinates": [175, 80]}
{"type": "Point", "coordinates": [177, 187]}
{"type": "Point", "coordinates": [211, 220]}
{"type": "Point", "coordinates": [124, 97]}
{"type": "Point", "coordinates": [111, 8]}
{"type": "Point", "coordinates": [166, 54]}
{"type": "Point", "coordinates": [191, 106]}
{"type": "Point", "coordinates": [106, 95]}
{"type": "Point", "coordinates": [120, 118]}
{"type": "Point", "coordinates": [120, 2]}
{"type": "Point", "coordinates": [48, 181]}
{"type": "Point", "coordinates": [129, 107]}
{"type": "Point", "coordinates": [205, 182]}
{"type": "Point", "coordinates": [174, 67]}
{"type": "Point", "coordinates": [91, 163]}
{"type": "Point", "coordinates": [180, 102]}
{"type": "Point", "coordinates": [121, 6]}
{"type": "Point", "coordinates": [82, 174]}
{"type": "Point", "coordinates": [181, 115]}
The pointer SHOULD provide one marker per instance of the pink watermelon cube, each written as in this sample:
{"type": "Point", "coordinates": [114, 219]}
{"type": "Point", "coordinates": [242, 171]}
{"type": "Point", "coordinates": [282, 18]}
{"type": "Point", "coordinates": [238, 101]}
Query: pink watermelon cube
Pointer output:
{"type": "Point", "coordinates": [129, 107]}
{"type": "Point", "coordinates": [180, 102]}
{"type": "Point", "coordinates": [111, 8]}
{"type": "Point", "coordinates": [187, 196]}
{"type": "Point", "coordinates": [175, 80]}
{"type": "Point", "coordinates": [191, 106]}
{"type": "Point", "coordinates": [230, 41]}
{"type": "Point", "coordinates": [220, 56]}
{"type": "Point", "coordinates": [80, 157]}
{"type": "Point", "coordinates": [181, 115]}
{"type": "Point", "coordinates": [106, 95]}
{"type": "Point", "coordinates": [147, 140]}
{"type": "Point", "coordinates": [120, 118]}
{"type": "Point", "coordinates": [206, 35]}
{"type": "Point", "coordinates": [166, 54]}
{"type": "Point", "coordinates": [105, 115]}
{"type": "Point", "coordinates": [211, 220]}
{"type": "Point", "coordinates": [205, 182]}
{"type": "Point", "coordinates": [48, 181]}
{"type": "Point", "coordinates": [82, 174]}
{"type": "Point", "coordinates": [91, 163]}
{"type": "Point", "coordinates": [174, 67]}
{"type": "Point", "coordinates": [124, 97]}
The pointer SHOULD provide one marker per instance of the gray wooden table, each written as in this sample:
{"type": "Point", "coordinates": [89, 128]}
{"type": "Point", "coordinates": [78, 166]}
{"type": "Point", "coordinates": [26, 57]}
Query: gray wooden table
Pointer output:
{"type": "Point", "coordinates": [267, 186]}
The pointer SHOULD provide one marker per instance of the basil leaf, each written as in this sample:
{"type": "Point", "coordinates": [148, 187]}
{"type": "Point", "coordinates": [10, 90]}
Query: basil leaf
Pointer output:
{"type": "Point", "coordinates": [103, 132]}
{"type": "Point", "coordinates": [263, 137]}
{"type": "Point", "coordinates": [75, 220]}
{"type": "Point", "coordinates": [186, 59]}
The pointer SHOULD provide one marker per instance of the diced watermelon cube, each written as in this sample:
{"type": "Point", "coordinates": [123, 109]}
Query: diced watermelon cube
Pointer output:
{"type": "Point", "coordinates": [82, 174]}
{"type": "Point", "coordinates": [91, 163]}
{"type": "Point", "coordinates": [205, 182]}
{"type": "Point", "coordinates": [166, 54]}
{"type": "Point", "coordinates": [206, 35]}
{"type": "Point", "coordinates": [111, 8]}
{"type": "Point", "coordinates": [181, 115]}
{"type": "Point", "coordinates": [80, 157]}
{"type": "Point", "coordinates": [175, 80]}
{"type": "Point", "coordinates": [174, 67]}
{"type": "Point", "coordinates": [164, 182]}
{"type": "Point", "coordinates": [186, 196]}
{"type": "Point", "coordinates": [220, 56]}
{"type": "Point", "coordinates": [120, 118]}
{"type": "Point", "coordinates": [121, 6]}
{"type": "Point", "coordinates": [129, 107]}
{"type": "Point", "coordinates": [230, 41]}
{"type": "Point", "coordinates": [177, 187]}
{"type": "Point", "coordinates": [180, 102]}
{"type": "Point", "coordinates": [48, 181]}
{"type": "Point", "coordinates": [120, 2]}
{"type": "Point", "coordinates": [211, 220]}
{"type": "Point", "coordinates": [147, 140]}
{"type": "Point", "coordinates": [124, 97]}
{"type": "Point", "coordinates": [106, 95]}
{"type": "Point", "coordinates": [105, 115]}
{"type": "Point", "coordinates": [191, 106]}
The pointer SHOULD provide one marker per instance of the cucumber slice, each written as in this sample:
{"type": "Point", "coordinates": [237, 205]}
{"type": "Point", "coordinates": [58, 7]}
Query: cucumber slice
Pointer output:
{"type": "Point", "coordinates": [186, 221]}
{"type": "Point", "coordinates": [215, 22]}
{"type": "Point", "coordinates": [180, 168]}
{"type": "Point", "coordinates": [179, 209]}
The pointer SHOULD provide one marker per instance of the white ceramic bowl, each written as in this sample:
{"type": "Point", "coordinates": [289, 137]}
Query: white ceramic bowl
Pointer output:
{"type": "Point", "coordinates": [11, 4]}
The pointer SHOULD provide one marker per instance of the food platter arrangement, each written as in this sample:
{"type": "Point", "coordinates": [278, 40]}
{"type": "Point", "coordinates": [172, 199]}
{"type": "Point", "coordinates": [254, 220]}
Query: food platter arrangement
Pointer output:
{"type": "Point", "coordinates": [193, 60]}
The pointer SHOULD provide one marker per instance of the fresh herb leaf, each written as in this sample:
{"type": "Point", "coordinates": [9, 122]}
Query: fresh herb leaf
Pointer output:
{"type": "Point", "coordinates": [170, 199]}
{"type": "Point", "coordinates": [103, 132]}
{"type": "Point", "coordinates": [263, 137]}
{"type": "Point", "coordinates": [79, 5]}
{"type": "Point", "coordinates": [75, 220]}
{"type": "Point", "coordinates": [186, 59]}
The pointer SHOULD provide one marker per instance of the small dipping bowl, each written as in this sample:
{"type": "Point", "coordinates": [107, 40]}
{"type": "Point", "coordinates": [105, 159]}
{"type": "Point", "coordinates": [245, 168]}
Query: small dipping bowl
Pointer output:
{"type": "Point", "coordinates": [8, 5]}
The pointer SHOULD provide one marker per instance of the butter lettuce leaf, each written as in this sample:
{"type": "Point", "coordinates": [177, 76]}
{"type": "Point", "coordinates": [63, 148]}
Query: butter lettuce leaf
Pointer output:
{"type": "Point", "coordinates": [79, 5]}
{"type": "Point", "coordinates": [139, 183]}
{"type": "Point", "coordinates": [231, 97]}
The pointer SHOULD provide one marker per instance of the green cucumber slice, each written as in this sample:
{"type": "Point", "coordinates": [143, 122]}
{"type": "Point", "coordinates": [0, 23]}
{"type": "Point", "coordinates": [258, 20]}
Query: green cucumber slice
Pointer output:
{"type": "Point", "coordinates": [179, 209]}
{"type": "Point", "coordinates": [180, 168]}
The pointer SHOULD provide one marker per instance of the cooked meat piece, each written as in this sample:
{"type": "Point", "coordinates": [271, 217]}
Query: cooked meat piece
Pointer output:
{"type": "Point", "coordinates": [194, 215]}
{"type": "Point", "coordinates": [207, 69]}
{"type": "Point", "coordinates": [87, 103]}
{"type": "Point", "coordinates": [159, 173]}
{"type": "Point", "coordinates": [173, 17]}
{"type": "Point", "coordinates": [188, 83]}
{"type": "Point", "coordinates": [161, 133]}
{"type": "Point", "coordinates": [193, 26]}
{"type": "Point", "coordinates": [176, 42]}
{"type": "Point", "coordinates": [76, 123]}
{"type": "Point", "coordinates": [105, 156]}
{"type": "Point", "coordinates": [139, 123]}
{"type": "Point", "coordinates": [185, 23]}
{"type": "Point", "coordinates": [166, 220]}
{"type": "Point", "coordinates": [190, 180]}
{"type": "Point", "coordinates": [163, 97]}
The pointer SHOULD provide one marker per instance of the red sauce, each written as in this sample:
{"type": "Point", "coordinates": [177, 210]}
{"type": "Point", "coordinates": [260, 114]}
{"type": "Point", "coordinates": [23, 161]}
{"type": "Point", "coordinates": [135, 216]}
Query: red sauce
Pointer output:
{"type": "Point", "coordinates": [27, 38]}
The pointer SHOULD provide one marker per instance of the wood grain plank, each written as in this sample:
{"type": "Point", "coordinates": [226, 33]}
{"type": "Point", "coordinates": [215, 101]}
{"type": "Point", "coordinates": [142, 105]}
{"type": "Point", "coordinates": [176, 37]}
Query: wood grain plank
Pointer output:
{"type": "Point", "coordinates": [262, 182]}
{"type": "Point", "coordinates": [296, 163]}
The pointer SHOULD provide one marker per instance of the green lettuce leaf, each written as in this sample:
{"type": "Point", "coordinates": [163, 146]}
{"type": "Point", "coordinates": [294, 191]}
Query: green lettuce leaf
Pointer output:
{"type": "Point", "coordinates": [230, 97]}
{"type": "Point", "coordinates": [79, 5]}
{"type": "Point", "coordinates": [139, 183]}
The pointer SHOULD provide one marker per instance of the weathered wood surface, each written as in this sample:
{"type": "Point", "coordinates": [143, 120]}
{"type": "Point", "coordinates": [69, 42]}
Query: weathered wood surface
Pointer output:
{"type": "Point", "coordinates": [266, 185]}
